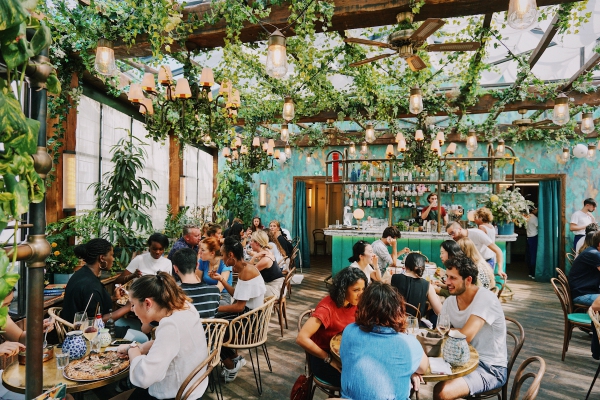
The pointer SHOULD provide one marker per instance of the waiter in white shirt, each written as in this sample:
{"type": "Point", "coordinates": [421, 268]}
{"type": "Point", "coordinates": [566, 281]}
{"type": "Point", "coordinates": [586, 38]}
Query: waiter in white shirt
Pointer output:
{"type": "Point", "coordinates": [532, 241]}
{"type": "Point", "coordinates": [582, 218]}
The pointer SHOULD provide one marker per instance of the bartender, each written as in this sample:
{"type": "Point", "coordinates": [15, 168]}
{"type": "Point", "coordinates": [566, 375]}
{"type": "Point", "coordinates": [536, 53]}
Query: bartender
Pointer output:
{"type": "Point", "coordinates": [431, 213]}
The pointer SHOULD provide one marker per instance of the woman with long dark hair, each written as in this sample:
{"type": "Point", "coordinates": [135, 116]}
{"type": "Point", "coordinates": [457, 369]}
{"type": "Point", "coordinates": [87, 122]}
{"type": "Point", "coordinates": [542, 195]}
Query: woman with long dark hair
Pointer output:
{"type": "Point", "coordinates": [364, 259]}
{"type": "Point", "coordinates": [379, 357]}
{"type": "Point", "coordinates": [330, 317]}
{"type": "Point", "coordinates": [416, 290]}
{"type": "Point", "coordinates": [159, 367]}
{"type": "Point", "coordinates": [448, 249]}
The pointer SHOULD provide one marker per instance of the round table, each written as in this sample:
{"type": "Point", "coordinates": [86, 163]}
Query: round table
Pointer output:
{"type": "Point", "coordinates": [457, 372]}
{"type": "Point", "coordinates": [13, 378]}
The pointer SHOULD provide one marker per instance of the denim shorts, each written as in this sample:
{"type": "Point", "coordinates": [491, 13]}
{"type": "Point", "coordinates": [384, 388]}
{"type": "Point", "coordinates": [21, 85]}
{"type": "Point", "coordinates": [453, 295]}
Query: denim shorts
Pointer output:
{"type": "Point", "coordinates": [586, 299]}
{"type": "Point", "coordinates": [485, 377]}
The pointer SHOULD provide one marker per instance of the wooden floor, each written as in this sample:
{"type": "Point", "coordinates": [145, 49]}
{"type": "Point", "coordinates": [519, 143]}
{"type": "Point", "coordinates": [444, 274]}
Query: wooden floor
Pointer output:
{"type": "Point", "coordinates": [534, 305]}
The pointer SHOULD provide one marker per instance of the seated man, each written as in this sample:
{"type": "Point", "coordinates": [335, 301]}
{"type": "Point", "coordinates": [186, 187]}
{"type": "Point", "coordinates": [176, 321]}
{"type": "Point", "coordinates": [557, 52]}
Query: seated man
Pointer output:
{"type": "Point", "coordinates": [388, 238]}
{"type": "Point", "coordinates": [477, 313]}
{"type": "Point", "coordinates": [204, 297]}
{"type": "Point", "coordinates": [584, 277]}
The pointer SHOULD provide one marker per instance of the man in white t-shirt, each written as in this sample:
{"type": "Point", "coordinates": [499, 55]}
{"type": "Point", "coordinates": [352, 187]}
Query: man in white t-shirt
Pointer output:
{"type": "Point", "coordinates": [488, 249]}
{"type": "Point", "coordinates": [388, 238]}
{"type": "Point", "coordinates": [532, 241]}
{"type": "Point", "coordinates": [477, 313]}
{"type": "Point", "coordinates": [582, 218]}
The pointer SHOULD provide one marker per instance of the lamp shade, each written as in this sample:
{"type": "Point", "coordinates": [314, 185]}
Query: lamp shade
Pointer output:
{"type": "Point", "coordinates": [587, 123]}
{"type": "Point", "coordinates": [146, 107]}
{"type": "Point", "coordinates": [207, 78]}
{"type": "Point", "coordinates": [288, 109]}
{"type": "Point", "coordinates": [135, 94]}
{"type": "Point", "coordinates": [226, 152]}
{"type": "Point", "coordinates": [148, 83]}
{"type": "Point", "coordinates": [182, 90]}
{"type": "Point", "coordinates": [69, 180]}
{"type": "Point", "coordinates": [233, 100]}
{"type": "Point", "coordinates": [277, 65]}
{"type": "Point", "coordinates": [435, 145]}
{"type": "Point", "coordinates": [244, 149]}
{"type": "Point", "coordinates": [419, 135]}
{"type": "Point", "coordinates": [591, 153]}
{"type": "Point", "coordinates": [402, 145]}
{"type": "Point", "coordinates": [265, 146]}
{"type": "Point", "coordinates": [256, 141]}
{"type": "Point", "coordinates": [561, 110]}
{"type": "Point", "coordinates": [270, 150]}
{"type": "Point", "coordinates": [237, 142]}
{"type": "Point", "coordinates": [521, 13]}
{"type": "Point", "coordinates": [364, 148]}
{"type": "Point", "coordinates": [451, 148]}
{"type": "Point", "coordinates": [309, 158]}
{"type": "Point", "coordinates": [225, 87]}
{"type": "Point", "coordinates": [235, 155]}
{"type": "Point", "coordinates": [389, 150]}
{"type": "Point", "coordinates": [276, 154]}
{"type": "Point", "coordinates": [399, 136]}
{"type": "Point", "coordinates": [440, 137]}
{"type": "Point", "coordinates": [105, 58]}
{"type": "Point", "coordinates": [165, 76]}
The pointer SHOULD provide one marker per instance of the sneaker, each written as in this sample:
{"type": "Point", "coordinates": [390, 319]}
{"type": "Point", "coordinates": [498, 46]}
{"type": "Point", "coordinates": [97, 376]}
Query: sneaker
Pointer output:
{"type": "Point", "coordinates": [230, 374]}
{"type": "Point", "coordinates": [532, 277]}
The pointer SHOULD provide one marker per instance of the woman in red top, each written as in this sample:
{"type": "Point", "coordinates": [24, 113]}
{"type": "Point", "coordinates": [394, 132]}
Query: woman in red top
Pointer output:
{"type": "Point", "coordinates": [330, 317]}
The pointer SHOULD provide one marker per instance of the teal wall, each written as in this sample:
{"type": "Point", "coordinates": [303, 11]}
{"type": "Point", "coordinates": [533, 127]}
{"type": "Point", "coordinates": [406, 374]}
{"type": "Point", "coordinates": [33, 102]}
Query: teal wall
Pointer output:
{"type": "Point", "coordinates": [583, 178]}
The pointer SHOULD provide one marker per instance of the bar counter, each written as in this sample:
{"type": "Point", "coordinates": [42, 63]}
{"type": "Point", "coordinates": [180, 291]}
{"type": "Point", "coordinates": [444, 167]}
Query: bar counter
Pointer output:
{"type": "Point", "coordinates": [427, 243]}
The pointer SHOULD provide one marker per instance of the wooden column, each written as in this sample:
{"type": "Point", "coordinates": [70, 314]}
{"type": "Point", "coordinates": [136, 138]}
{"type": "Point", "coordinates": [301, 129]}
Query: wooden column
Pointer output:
{"type": "Point", "coordinates": [54, 194]}
{"type": "Point", "coordinates": [215, 155]}
{"type": "Point", "coordinates": [175, 171]}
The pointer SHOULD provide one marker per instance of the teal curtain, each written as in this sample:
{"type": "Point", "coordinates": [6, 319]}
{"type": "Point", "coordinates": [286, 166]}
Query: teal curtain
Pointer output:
{"type": "Point", "coordinates": [299, 227]}
{"type": "Point", "coordinates": [548, 251]}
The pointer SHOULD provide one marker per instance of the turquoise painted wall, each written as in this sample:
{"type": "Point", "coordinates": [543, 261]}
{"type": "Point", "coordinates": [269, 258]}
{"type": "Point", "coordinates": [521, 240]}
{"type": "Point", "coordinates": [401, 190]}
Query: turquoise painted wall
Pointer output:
{"type": "Point", "coordinates": [583, 178]}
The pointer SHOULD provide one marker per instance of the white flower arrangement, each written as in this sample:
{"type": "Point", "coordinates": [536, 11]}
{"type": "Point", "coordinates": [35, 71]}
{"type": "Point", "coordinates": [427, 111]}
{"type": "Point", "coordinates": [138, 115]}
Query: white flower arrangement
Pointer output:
{"type": "Point", "coordinates": [507, 206]}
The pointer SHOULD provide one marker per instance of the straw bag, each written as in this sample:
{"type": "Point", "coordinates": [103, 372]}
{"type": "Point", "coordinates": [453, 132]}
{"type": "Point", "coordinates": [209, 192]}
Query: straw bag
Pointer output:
{"type": "Point", "coordinates": [431, 343]}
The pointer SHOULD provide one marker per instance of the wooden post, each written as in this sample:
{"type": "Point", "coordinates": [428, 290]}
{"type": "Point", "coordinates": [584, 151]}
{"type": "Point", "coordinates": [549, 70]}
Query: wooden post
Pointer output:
{"type": "Point", "coordinates": [175, 171]}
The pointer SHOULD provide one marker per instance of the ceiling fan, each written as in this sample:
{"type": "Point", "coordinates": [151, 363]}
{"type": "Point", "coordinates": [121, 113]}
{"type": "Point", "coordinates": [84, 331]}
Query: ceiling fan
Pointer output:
{"type": "Point", "coordinates": [525, 123]}
{"type": "Point", "coordinates": [406, 42]}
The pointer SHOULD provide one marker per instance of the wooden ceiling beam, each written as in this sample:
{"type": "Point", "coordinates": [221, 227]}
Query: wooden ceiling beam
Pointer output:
{"type": "Point", "coordinates": [587, 67]}
{"type": "Point", "coordinates": [544, 42]}
{"type": "Point", "coordinates": [348, 14]}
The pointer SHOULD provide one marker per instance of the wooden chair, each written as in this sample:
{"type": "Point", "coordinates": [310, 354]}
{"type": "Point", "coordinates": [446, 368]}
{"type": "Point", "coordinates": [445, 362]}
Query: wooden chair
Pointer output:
{"type": "Point", "coordinates": [562, 277]}
{"type": "Point", "coordinates": [572, 320]}
{"type": "Point", "coordinates": [595, 317]}
{"type": "Point", "coordinates": [570, 258]}
{"type": "Point", "coordinates": [62, 326]}
{"type": "Point", "coordinates": [416, 310]}
{"type": "Point", "coordinates": [207, 366]}
{"type": "Point", "coordinates": [325, 387]}
{"type": "Point", "coordinates": [249, 331]}
{"type": "Point", "coordinates": [215, 332]}
{"type": "Point", "coordinates": [518, 345]}
{"type": "Point", "coordinates": [520, 378]}
{"type": "Point", "coordinates": [319, 240]}
{"type": "Point", "coordinates": [280, 302]}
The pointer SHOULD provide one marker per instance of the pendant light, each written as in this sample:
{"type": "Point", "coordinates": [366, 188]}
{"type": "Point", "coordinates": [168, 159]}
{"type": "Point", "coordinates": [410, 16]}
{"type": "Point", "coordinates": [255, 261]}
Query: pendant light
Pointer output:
{"type": "Point", "coordinates": [440, 137]}
{"type": "Point", "coordinates": [270, 147]}
{"type": "Point", "coordinates": [472, 141]}
{"type": "Point", "coordinates": [370, 134]}
{"type": "Point", "coordinates": [566, 154]}
{"type": "Point", "coordinates": [364, 148]}
{"type": "Point", "coordinates": [451, 149]}
{"type": "Point", "coordinates": [105, 58]}
{"type": "Point", "coordinates": [399, 136]}
{"type": "Point", "coordinates": [415, 103]}
{"type": "Point", "coordinates": [591, 153]}
{"type": "Point", "coordinates": [207, 78]}
{"type": "Point", "coordinates": [521, 13]}
{"type": "Point", "coordinates": [288, 109]}
{"type": "Point", "coordinates": [587, 122]}
{"type": "Point", "coordinates": [389, 152]}
{"type": "Point", "coordinates": [561, 110]}
{"type": "Point", "coordinates": [402, 145]}
{"type": "Point", "coordinates": [288, 151]}
{"type": "Point", "coordinates": [256, 141]}
{"type": "Point", "coordinates": [309, 159]}
{"type": "Point", "coordinates": [419, 135]}
{"type": "Point", "coordinates": [501, 149]}
{"type": "Point", "coordinates": [352, 149]}
{"type": "Point", "coordinates": [226, 152]}
{"type": "Point", "coordinates": [285, 133]}
{"type": "Point", "coordinates": [435, 146]}
{"type": "Point", "coordinates": [276, 55]}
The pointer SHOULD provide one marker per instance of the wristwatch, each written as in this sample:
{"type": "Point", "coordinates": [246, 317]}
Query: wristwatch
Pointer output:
{"type": "Point", "coordinates": [328, 359]}
{"type": "Point", "coordinates": [133, 344]}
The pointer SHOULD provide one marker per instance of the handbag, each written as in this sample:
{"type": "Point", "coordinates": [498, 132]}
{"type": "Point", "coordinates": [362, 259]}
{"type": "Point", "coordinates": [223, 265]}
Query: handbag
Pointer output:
{"type": "Point", "coordinates": [301, 388]}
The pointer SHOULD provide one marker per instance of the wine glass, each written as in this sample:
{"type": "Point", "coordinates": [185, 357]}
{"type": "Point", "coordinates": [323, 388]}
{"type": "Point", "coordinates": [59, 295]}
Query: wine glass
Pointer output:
{"type": "Point", "coordinates": [443, 324]}
{"type": "Point", "coordinates": [412, 325]}
{"type": "Point", "coordinates": [91, 330]}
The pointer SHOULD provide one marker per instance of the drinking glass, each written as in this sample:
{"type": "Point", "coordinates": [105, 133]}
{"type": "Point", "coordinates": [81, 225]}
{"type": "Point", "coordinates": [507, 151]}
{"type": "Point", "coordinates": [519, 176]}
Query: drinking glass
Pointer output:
{"type": "Point", "coordinates": [78, 321]}
{"type": "Point", "coordinates": [337, 223]}
{"type": "Point", "coordinates": [62, 360]}
{"type": "Point", "coordinates": [95, 345]}
{"type": "Point", "coordinates": [443, 324]}
{"type": "Point", "coordinates": [91, 331]}
{"type": "Point", "coordinates": [412, 325]}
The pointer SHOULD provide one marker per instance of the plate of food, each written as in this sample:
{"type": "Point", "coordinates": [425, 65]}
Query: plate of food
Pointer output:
{"type": "Point", "coordinates": [95, 367]}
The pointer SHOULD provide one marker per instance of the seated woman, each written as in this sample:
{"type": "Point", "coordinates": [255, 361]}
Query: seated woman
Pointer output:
{"type": "Point", "coordinates": [85, 285]}
{"type": "Point", "coordinates": [256, 224]}
{"type": "Point", "coordinates": [211, 260]}
{"type": "Point", "coordinates": [148, 263]}
{"type": "Point", "coordinates": [330, 317]}
{"type": "Point", "coordinates": [416, 290]}
{"type": "Point", "coordinates": [265, 262]}
{"type": "Point", "coordinates": [378, 356]}
{"type": "Point", "coordinates": [485, 276]}
{"type": "Point", "coordinates": [448, 249]}
{"type": "Point", "coordinates": [159, 367]}
{"type": "Point", "coordinates": [215, 230]}
{"type": "Point", "coordinates": [277, 250]}
{"type": "Point", "coordinates": [363, 258]}
{"type": "Point", "coordinates": [283, 240]}
{"type": "Point", "coordinates": [248, 294]}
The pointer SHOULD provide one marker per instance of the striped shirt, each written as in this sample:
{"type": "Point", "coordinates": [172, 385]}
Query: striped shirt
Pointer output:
{"type": "Point", "coordinates": [204, 297]}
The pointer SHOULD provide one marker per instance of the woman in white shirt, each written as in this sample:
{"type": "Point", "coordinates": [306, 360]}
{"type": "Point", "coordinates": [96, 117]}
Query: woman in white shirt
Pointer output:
{"type": "Point", "coordinates": [249, 293]}
{"type": "Point", "coordinates": [159, 367]}
{"type": "Point", "coordinates": [483, 218]}
{"type": "Point", "coordinates": [149, 263]}
{"type": "Point", "coordinates": [363, 258]}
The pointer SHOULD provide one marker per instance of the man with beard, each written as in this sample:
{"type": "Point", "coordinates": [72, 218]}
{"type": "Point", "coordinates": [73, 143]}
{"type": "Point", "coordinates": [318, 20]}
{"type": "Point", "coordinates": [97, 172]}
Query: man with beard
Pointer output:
{"type": "Point", "coordinates": [477, 313]}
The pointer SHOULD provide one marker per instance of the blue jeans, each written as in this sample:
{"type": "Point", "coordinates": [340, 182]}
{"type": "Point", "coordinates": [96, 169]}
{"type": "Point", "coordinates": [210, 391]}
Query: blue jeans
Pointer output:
{"type": "Point", "coordinates": [586, 299]}
{"type": "Point", "coordinates": [575, 240]}
{"type": "Point", "coordinates": [532, 245]}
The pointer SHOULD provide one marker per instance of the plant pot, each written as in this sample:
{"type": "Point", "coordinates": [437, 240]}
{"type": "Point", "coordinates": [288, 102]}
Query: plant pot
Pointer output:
{"type": "Point", "coordinates": [62, 278]}
{"type": "Point", "coordinates": [506, 229]}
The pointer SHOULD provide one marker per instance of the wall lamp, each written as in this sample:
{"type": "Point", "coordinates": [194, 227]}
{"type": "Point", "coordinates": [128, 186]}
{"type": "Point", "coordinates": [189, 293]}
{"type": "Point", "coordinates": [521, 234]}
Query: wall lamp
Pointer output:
{"type": "Point", "coordinates": [69, 180]}
{"type": "Point", "coordinates": [262, 195]}
{"type": "Point", "coordinates": [309, 198]}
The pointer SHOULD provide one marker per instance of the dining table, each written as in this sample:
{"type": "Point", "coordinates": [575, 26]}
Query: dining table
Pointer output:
{"type": "Point", "coordinates": [457, 372]}
{"type": "Point", "coordinates": [13, 377]}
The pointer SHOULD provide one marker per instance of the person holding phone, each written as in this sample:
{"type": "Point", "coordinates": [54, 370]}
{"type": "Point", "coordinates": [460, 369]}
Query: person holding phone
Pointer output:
{"type": "Point", "coordinates": [364, 259]}
{"type": "Point", "coordinates": [388, 238]}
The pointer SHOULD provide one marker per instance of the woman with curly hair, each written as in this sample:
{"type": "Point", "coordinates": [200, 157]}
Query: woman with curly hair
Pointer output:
{"type": "Point", "coordinates": [371, 370]}
{"type": "Point", "coordinates": [330, 317]}
{"type": "Point", "coordinates": [483, 218]}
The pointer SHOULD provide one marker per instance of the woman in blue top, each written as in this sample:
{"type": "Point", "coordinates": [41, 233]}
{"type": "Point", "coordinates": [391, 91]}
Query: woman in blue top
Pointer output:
{"type": "Point", "coordinates": [379, 360]}
{"type": "Point", "coordinates": [211, 260]}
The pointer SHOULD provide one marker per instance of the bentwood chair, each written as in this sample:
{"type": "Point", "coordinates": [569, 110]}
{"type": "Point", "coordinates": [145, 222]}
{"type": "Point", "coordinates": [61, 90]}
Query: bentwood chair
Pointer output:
{"type": "Point", "coordinates": [325, 387]}
{"type": "Point", "coordinates": [570, 258]}
{"type": "Point", "coordinates": [280, 302]}
{"type": "Point", "coordinates": [249, 331]}
{"type": "Point", "coordinates": [572, 320]}
{"type": "Point", "coordinates": [595, 317]}
{"type": "Point", "coordinates": [319, 240]}
{"type": "Point", "coordinates": [414, 310]}
{"type": "Point", "coordinates": [561, 276]}
{"type": "Point", "coordinates": [520, 378]}
{"type": "Point", "coordinates": [207, 366]}
{"type": "Point", "coordinates": [519, 339]}
{"type": "Point", "coordinates": [61, 325]}
{"type": "Point", "coordinates": [215, 331]}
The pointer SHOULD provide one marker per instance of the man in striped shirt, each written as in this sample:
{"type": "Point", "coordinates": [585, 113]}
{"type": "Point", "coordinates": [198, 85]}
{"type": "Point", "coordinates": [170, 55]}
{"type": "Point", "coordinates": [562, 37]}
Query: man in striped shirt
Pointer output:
{"type": "Point", "coordinates": [204, 297]}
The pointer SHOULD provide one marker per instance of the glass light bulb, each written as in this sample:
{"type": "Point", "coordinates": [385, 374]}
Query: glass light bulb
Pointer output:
{"type": "Point", "coordinates": [288, 109]}
{"type": "Point", "coordinates": [105, 58]}
{"type": "Point", "coordinates": [521, 13]}
{"type": "Point", "coordinates": [364, 148]}
{"type": "Point", "coordinates": [591, 153]}
{"type": "Point", "coordinates": [501, 149]}
{"type": "Point", "coordinates": [352, 149]}
{"type": "Point", "coordinates": [288, 151]}
{"type": "Point", "coordinates": [370, 134]}
{"type": "Point", "coordinates": [276, 66]}
{"type": "Point", "coordinates": [415, 103]}
{"type": "Point", "coordinates": [285, 133]}
{"type": "Point", "coordinates": [587, 123]}
{"type": "Point", "coordinates": [309, 158]}
{"type": "Point", "coordinates": [561, 110]}
{"type": "Point", "coordinates": [566, 154]}
{"type": "Point", "coordinates": [472, 141]}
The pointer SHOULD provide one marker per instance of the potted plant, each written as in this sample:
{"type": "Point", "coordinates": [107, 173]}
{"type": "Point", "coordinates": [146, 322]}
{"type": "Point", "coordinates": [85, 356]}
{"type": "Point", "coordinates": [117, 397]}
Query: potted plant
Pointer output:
{"type": "Point", "coordinates": [508, 209]}
{"type": "Point", "coordinates": [403, 226]}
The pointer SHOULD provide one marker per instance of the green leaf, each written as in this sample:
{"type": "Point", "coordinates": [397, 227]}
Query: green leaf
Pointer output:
{"type": "Point", "coordinates": [41, 39]}
{"type": "Point", "coordinates": [15, 48]}
{"type": "Point", "coordinates": [53, 84]}
{"type": "Point", "coordinates": [11, 14]}
{"type": "Point", "coordinates": [12, 118]}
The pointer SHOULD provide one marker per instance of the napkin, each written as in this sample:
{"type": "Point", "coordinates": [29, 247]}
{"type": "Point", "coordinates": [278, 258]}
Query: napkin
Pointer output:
{"type": "Point", "coordinates": [439, 367]}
